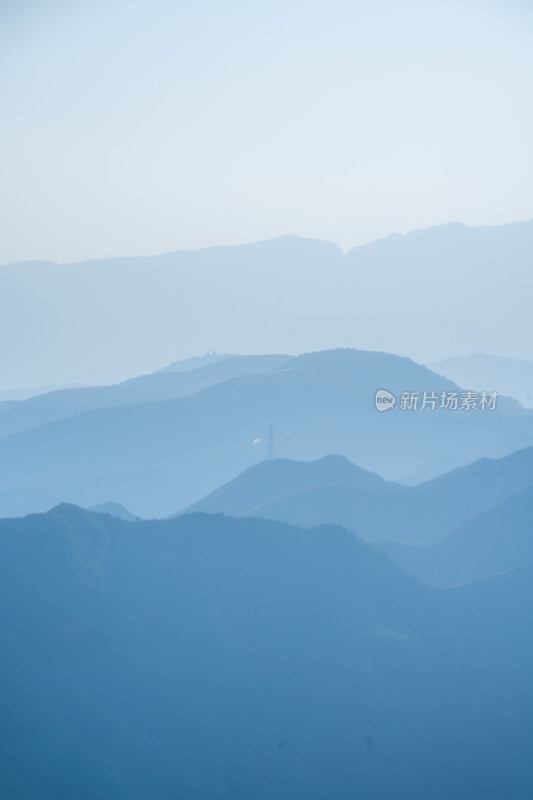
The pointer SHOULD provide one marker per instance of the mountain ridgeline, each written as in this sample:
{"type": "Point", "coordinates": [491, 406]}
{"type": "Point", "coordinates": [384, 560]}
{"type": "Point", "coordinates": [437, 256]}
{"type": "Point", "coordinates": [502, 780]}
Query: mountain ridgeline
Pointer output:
{"type": "Point", "coordinates": [157, 448]}
{"type": "Point", "coordinates": [288, 294]}
{"type": "Point", "coordinates": [470, 524]}
{"type": "Point", "coordinates": [302, 622]}
{"type": "Point", "coordinates": [332, 490]}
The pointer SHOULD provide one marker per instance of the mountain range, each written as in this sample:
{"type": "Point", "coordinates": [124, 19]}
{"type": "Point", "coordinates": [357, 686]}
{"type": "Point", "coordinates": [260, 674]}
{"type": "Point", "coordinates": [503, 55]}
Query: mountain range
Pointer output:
{"type": "Point", "coordinates": [106, 320]}
{"type": "Point", "coordinates": [491, 542]}
{"type": "Point", "coordinates": [212, 658]}
{"type": "Point", "coordinates": [158, 456]}
{"type": "Point", "coordinates": [173, 381]}
{"type": "Point", "coordinates": [270, 480]}
{"type": "Point", "coordinates": [334, 491]}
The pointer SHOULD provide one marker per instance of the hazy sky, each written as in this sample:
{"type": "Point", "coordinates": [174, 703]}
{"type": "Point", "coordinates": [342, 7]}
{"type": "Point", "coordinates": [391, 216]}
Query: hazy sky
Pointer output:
{"type": "Point", "coordinates": [143, 127]}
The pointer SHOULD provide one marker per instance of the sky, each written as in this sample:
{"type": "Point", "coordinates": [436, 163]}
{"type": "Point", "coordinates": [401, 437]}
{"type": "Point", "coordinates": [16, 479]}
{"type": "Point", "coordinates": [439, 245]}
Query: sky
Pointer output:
{"type": "Point", "coordinates": [134, 128]}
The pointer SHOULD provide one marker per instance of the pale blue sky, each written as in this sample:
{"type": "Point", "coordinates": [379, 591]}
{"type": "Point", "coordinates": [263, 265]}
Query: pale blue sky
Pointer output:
{"type": "Point", "coordinates": [142, 127]}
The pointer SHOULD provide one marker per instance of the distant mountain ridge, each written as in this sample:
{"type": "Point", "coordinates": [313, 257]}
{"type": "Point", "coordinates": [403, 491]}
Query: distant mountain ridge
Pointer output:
{"type": "Point", "coordinates": [259, 484]}
{"type": "Point", "coordinates": [396, 294]}
{"type": "Point", "coordinates": [416, 515]}
{"type": "Point", "coordinates": [166, 384]}
{"type": "Point", "coordinates": [157, 457]}
{"type": "Point", "coordinates": [196, 362]}
{"type": "Point", "coordinates": [491, 542]}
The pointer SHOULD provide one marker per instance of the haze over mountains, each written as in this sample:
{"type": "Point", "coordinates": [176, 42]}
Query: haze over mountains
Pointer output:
{"type": "Point", "coordinates": [176, 380]}
{"type": "Point", "coordinates": [494, 541]}
{"type": "Point", "coordinates": [304, 494]}
{"type": "Point", "coordinates": [207, 657]}
{"type": "Point", "coordinates": [339, 601]}
{"type": "Point", "coordinates": [268, 533]}
{"type": "Point", "coordinates": [268, 481]}
{"type": "Point", "coordinates": [470, 524]}
{"type": "Point", "coordinates": [157, 457]}
{"type": "Point", "coordinates": [103, 321]}
{"type": "Point", "coordinates": [512, 376]}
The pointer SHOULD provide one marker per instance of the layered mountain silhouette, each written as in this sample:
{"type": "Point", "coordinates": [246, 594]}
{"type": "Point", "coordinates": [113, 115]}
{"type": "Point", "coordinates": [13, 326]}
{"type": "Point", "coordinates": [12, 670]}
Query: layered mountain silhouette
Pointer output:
{"type": "Point", "coordinates": [271, 480]}
{"type": "Point", "coordinates": [158, 457]}
{"type": "Point", "coordinates": [209, 657]}
{"type": "Point", "coordinates": [315, 494]}
{"type": "Point", "coordinates": [192, 377]}
{"type": "Point", "coordinates": [494, 541]}
{"type": "Point", "coordinates": [127, 316]}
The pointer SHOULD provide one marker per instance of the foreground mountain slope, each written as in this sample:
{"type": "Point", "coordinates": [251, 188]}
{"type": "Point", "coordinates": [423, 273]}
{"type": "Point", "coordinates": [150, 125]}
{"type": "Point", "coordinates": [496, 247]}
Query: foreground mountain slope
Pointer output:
{"type": "Point", "coordinates": [494, 541]}
{"type": "Point", "coordinates": [424, 513]}
{"type": "Point", "coordinates": [270, 480]}
{"type": "Point", "coordinates": [208, 657]}
{"type": "Point", "coordinates": [156, 458]}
